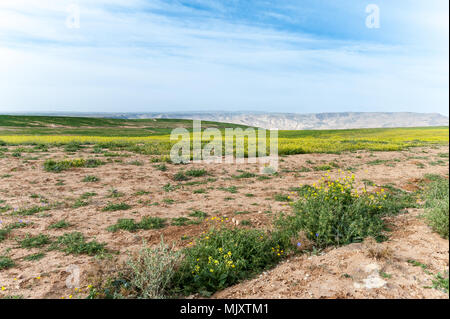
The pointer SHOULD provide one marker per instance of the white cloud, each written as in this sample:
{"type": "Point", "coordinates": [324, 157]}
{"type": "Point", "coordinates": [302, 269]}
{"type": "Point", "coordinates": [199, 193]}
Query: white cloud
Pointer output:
{"type": "Point", "coordinates": [137, 59]}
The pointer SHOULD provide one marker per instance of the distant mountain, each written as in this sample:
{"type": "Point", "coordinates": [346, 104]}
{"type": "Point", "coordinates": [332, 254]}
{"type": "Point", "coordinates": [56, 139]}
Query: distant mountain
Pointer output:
{"type": "Point", "coordinates": [292, 121]}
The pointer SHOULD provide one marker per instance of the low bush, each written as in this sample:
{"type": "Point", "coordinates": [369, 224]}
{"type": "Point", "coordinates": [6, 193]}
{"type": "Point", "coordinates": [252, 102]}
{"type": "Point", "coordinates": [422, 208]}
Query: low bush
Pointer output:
{"type": "Point", "coordinates": [335, 213]}
{"type": "Point", "coordinates": [437, 206]}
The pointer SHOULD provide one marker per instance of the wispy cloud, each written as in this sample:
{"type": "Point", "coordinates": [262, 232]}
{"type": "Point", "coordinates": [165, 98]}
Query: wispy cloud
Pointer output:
{"type": "Point", "coordinates": [300, 56]}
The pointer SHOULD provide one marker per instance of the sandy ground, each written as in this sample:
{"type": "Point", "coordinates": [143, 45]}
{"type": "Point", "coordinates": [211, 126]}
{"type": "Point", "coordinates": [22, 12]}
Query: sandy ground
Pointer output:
{"type": "Point", "coordinates": [339, 273]}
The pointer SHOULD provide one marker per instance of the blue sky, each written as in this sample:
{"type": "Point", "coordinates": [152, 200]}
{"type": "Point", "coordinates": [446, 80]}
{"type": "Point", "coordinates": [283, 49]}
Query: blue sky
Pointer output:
{"type": "Point", "coordinates": [229, 55]}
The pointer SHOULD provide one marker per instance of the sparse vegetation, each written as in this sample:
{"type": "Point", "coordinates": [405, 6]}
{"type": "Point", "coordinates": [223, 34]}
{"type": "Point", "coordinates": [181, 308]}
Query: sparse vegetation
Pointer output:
{"type": "Point", "coordinates": [437, 206]}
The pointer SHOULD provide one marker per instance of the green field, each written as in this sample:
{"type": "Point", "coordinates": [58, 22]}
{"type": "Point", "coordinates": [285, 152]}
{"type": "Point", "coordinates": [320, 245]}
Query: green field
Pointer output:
{"type": "Point", "coordinates": [152, 136]}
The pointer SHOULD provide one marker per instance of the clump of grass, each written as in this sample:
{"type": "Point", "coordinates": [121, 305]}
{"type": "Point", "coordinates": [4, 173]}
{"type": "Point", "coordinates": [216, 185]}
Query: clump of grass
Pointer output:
{"type": "Point", "coordinates": [31, 210]}
{"type": "Point", "coordinates": [90, 179]}
{"type": "Point", "coordinates": [180, 177]}
{"type": "Point", "coordinates": [325, 167]}
{"type": "Point", "coordinates": [60, 225]}
{"type": "Point", "coordinates": [196, 172]}
{"type": "Point", "coordinates": [198, 214]}
{"type": "Point", "coordinates": [80, 203]}
{"type": "Point", "coordinates": [169, 188]}
{"type": "Point", "coordinates": [245, 175]}
{"type": "Point", "coordinates": [440, 282]}
{"type": "Point", "coordinates": [136, 163]}
{"type": "Point", "coordinates": [112, 207]}
{"type": "Point", "coordinates": [58, 166]}
{"type": "Point", "coordinates": [4, 232]}
{"type": "Point", "coordinates": [437, 206]}
{"type": "Point", "coordinates": [282, 198]}
{"type": "Point", "coordinates": [132, 226]}
{"type": "Point", "coordinates": [87, 195]}
{"type": "Point", "coordinates": [6, 262]}
{"type": "Point", "coordinates": [75, 243]}
{"type": "Point", "coordinates": [34, 257]}
{"type": "Point", "coordinates": [161, 167]}
{"type": "Point", "coordinates": [231, 189]}
{"type": "Point", "coordinates": [34, 241]}
{"type": "Point", "coordinates": [180, 221]}
{"type": "Point", "coordinates": [72, 147]}
{"type": "Point", "coordinates": [141, 192]}
{"type": "Point", "coordinates": [114, 193]}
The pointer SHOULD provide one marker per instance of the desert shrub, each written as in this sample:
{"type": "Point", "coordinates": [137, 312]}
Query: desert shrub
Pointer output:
{"type": "Point", "coordinates": [223, 257]}
{"type": "Point", "coordinates": [151, 270]}
{"type": "Point", "coordinates": [146, 274]}
{"type": "Point", "coordinates": [334, 213]}
{"type": "Point", "coordinates": [437, 206]}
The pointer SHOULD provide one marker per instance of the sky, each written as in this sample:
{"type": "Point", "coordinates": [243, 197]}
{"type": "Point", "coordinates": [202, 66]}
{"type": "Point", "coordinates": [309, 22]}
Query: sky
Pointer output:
{"type": "Point", "coordinates": [302, 56]}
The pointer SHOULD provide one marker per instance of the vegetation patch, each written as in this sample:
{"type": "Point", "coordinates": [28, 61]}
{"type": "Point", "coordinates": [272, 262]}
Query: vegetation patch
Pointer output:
{"type": "Point", "coordinates": [6, 262]}
{"type": "Point", "coordinates": [132, 226]}
{"type": "Point", "coordinates": [58, 166]}
{"type": "Point", "coordinates": [437, 206]}
{"type": "Point", "coordinates": [112, 207]}
{"type": "Point", "coordinates": [75, 243]}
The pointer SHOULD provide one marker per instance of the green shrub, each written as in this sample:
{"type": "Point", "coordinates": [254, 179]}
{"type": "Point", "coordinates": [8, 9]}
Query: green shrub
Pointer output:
{"type": "Point", "coordinates": [437, 206]}
{"type": "Point", "coordinates": [334, 213]}
{"type": "Point", "coordinates": [6, 262]}
{"type": "Point", "coordinates": [223, 257]}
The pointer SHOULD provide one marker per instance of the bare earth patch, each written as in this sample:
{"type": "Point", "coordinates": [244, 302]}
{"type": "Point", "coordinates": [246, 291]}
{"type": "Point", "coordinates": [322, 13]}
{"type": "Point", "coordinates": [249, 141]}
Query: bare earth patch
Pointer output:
{"type": "Point", "coordinates": [345, 272]}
